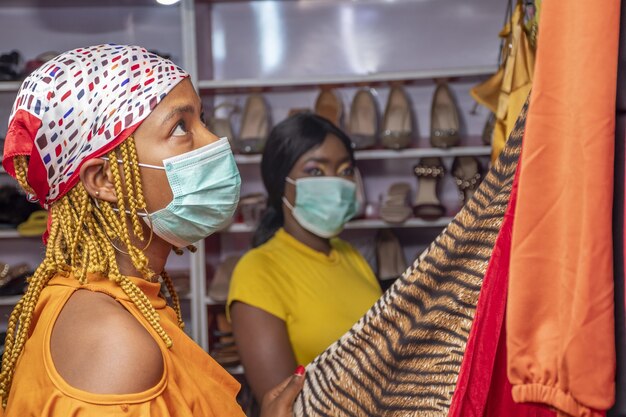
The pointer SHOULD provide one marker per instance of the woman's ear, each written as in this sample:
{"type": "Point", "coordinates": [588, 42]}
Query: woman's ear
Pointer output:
{"type": "Point", "coordinates": [97, 179]}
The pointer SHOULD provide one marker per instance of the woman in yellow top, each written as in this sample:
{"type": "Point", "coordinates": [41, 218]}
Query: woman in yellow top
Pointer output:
{"type": "Point", "coordinates": [301, 288]}
{"type": "Point", "coordinates": [110, 140]}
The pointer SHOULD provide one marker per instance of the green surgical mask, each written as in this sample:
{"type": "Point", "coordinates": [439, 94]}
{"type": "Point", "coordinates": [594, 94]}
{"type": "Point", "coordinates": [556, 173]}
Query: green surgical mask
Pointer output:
{"type": "Point", "coordinates": [323, 204]}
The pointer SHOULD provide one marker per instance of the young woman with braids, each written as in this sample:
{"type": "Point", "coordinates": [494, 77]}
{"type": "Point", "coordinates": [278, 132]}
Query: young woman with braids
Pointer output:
{"type": "Point", "coordinates": [110, 140]}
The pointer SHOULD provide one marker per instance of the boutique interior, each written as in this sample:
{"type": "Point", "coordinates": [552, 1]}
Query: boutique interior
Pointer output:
{"type": "Point", "coordinates": [427, 91]}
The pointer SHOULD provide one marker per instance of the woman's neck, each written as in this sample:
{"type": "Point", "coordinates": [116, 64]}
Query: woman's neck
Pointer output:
{"type": "Point", "coordinates": [302, 235]}
{"type": "Point", "coordinates": [157, 252]}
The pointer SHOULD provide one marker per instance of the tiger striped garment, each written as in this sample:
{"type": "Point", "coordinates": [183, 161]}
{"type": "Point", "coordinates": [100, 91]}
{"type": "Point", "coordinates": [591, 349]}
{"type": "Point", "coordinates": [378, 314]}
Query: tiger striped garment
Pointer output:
{"type": "Point", "coordinates": [404, 356]}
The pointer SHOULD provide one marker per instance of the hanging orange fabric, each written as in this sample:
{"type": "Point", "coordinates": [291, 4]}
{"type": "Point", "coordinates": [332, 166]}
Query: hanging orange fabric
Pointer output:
{"type": "Point", "coordinates": [560, 314]}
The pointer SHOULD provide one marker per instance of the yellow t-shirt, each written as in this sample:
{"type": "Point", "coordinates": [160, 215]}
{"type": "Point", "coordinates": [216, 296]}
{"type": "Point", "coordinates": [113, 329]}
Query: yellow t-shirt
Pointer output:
{"type": "Point", "coordinates": [319, 297]}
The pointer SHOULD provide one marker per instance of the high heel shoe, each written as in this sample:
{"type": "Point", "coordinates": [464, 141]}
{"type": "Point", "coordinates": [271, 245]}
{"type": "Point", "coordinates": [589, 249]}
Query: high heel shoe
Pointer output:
{"type": "Point", "coordinates": [427, 204]}
{"type": "Point", "coordinates": [255, 125]}
{"type": "Point", "coordinates": [222, 126]}
{"type": "Point", "coordinates": [444, 119]}
{"type": "Point", "coordinates": [389, 258]}
{"type": "Point", "coordinates": [490, 124]}
{"type": "Point", "coordinates": [398, 120]}
{"type": "Point", "coordinates": [395, 207]}
{"type": "Point", "coordinates": [329, 106]}
{"type": "Point", "coordinates": [361, 199]}
{"type": "Point", "coordinates": [467, 174]}
{"type": "Point", "coordinates": [363, 125]}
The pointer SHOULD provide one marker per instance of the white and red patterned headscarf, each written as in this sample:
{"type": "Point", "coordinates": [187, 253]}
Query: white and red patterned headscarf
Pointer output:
{"type": "Point", "coordinates": [79, 106]}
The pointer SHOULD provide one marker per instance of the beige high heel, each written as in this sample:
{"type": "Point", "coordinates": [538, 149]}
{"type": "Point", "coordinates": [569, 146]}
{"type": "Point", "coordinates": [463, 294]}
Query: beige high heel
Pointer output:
{"type": "Point", "coordinates": [395, 207]}
{"type": "Point", "coordinates": [389, 258]}
{"type": "Point", "coordinates": [255, 125]}
{"type": "Point", "coordinates": [329, 106]}
{"type": "Point", "coordinates": [363, 125]}
{"type": "Point", "coordinates": [444, 118]}
{"type": "Point", "coordinates": [222, 126]}
{"type": "Point", "coordinates": [398, 120]}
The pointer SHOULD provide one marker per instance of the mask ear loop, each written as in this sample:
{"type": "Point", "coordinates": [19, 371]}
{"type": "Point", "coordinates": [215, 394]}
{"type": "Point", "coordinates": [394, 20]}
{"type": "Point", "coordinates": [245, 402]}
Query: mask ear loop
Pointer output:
{"type": "Point", "coordinates": [149, 226]}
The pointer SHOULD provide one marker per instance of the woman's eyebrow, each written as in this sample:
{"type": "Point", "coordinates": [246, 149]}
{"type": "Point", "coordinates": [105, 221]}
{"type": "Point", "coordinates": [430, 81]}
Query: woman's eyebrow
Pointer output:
{"type": "Point", "coordinates": [326, 160]}
{"type": "Point", "coordinates": [185, 108]}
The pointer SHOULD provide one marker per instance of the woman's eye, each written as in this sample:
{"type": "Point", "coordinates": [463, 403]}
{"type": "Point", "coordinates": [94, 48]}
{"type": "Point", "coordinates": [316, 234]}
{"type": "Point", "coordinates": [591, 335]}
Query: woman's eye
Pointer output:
{"type": "Point", "coordinates": [315, 172]}
{"type": "Point", "coordinates": [179, 130]}
{"type": "Point", "coordinates": [348, 172]}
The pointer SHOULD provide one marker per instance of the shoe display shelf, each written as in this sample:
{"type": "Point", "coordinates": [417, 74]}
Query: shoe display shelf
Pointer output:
{"type": "Point", "coordinates": [204, 36]}
{"type": "Point", "coordinates": [409, 153]}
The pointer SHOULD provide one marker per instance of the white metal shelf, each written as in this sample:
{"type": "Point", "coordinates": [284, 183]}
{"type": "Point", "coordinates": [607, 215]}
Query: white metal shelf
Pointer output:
{"type": "Point", "coordinates": [9, 300]}
{"type": "Point", "coordinates": [383, 77]}
{"type": "Point", "coordinates": [360, 224]}
{"type": "Point", "coordinates": [370, 154]}
{"type": "Point", "coordinates": [10, 86]}
{"type": "Point", "coordinates": [13, 234]}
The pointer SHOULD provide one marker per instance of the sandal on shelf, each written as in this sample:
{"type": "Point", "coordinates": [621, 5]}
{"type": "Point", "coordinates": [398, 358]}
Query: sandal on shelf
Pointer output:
{"type": "Point", "coordinates": [255, 125]}
{"type": "Point", "coordinates": [444, 118]}
{"type": "Point", "coordinates": [329, 106]}
{"type": "Point", "coordinates": [427, 205]}
{"type": "Point", "coordinates": [395, 208]}
{"type": "Point", "coordinates": [398, 120]}
{"type": "Point", "coordinates": [363, 125]}
{"type": "Point", "coordinates": [467, 174]}
{"type": "Point", "coordinates": [222, 126]}
{"type": "Point", "coordinates": [218, 289]}
{"type": "Point", "coordinates": [13, 279]}
{"type": "Point", "coordinates": [389, 258]}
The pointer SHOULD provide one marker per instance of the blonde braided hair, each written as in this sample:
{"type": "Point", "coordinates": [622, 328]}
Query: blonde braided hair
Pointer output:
{"type": "Point", "coordinates": [80, 242]}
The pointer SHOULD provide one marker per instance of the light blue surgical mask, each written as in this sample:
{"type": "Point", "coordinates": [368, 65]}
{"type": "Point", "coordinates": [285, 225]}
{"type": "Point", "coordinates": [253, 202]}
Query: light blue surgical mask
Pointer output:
{"type": "Point", "coordinates": [323, 204]}
{"type": "Point", "coordinates": [205, 183]}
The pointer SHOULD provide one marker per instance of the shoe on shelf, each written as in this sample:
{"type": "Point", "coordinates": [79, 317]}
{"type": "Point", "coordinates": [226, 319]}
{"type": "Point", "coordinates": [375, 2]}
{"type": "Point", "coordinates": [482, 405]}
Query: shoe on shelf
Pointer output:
{"type": "Point", "coordinates": [14, 206]}
{"type": "Point", "coordinates": [329, 106]}
{"type": "Point", "coordinates": [222, 126]}
{"type": "Point", "coordinates": [255, 125]}
{"type": "Point", "coordinates": [224, 349]}
{"type": "Point", "coordinates": [467, 174]}
{"type": "Point", "coordinates": [395, 207]}
{"type": "Point", "coordinates": [490, 124]}
{"type": "Point", "coordinates": [252, 207]}
{"type": "Point", "coordinates": [35, 225]}
{"type": "Point", "coordinates": [397, 130]}
{"type": "Point", "coordinates": [218, 289]}
{"type": "Point", "coordinates": [427, 205]}
{"type": "Point", "coordinates": [363, 122]}
{"type": "Point", "coordinates": [389, 258]}
{"type": "Point", "coordinates": [361, 198]}
{"type": "Point", "coordinates": [10, 66]}
{"type": "Point", "coordinates": [297, 110]}
{"type": "Point", "coordinates": [13, 279]}
{"type": "Point", "coordinates": [444, 118]}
